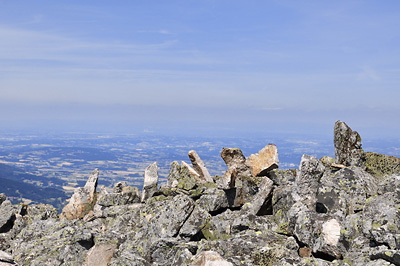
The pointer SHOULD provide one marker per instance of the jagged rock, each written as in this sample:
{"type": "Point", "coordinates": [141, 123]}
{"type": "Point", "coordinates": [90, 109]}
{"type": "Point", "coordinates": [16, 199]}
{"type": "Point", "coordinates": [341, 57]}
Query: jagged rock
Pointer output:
{"type": "Point", "coordinates": [215, 201]}
{"type": "Point", "coordinates": [122, 198]}
{"type": "Point", "coordinates": [235, 160]}
{"type": "Point", "coordinates": [209, 258]}
{"type": "Point", "coordinates": [347, 143]}
{"type": "Point", "coordinates": [2, 198]}
{"type": "Point", "coordinates": [344, 192]}
{"type": "Point", "coordinates": [199, 166]}
{"type": "Point", "coordinates": [381, 165]}
{"type": "Point", "coordinates": [196, 221]}
{"type": "Point", "coordinates": [319, 232]}
{"type": "Point", "coordinates": [119, 186]}
{"type": "Point", "coordinates": [307, 178]}
{"type": "Point", "coordinates": [192, 172]}
{"type": "Point", "coordinates": [263, 161]}
{"type": "Point", "coordinates": [7, 218]}
{"type": "Point", "coordinates": [381, 221]}
{"type": "Point", "coordinates": [227, 180]}
{"type": "Point", "coordinates": [390, 184]}
{"type": "Point", "coordinates": [100, 255]}
{"type": "Point", "coordinates": [282, 202]}
{"type": "Point", "coordinates": [180, 177]}
{"type": "Point", "coordinates": [150, 181]}
{"type": "Point", "coordinates": [83, 199]}
{"type": "Point", "coordinates": [253, 247]}
{"type": "Point", "coordinates": [282, 177]}
{"type": "Point", "coordinates": [51, 242]}
{"type": "Point", "coordinates": [260, 198]}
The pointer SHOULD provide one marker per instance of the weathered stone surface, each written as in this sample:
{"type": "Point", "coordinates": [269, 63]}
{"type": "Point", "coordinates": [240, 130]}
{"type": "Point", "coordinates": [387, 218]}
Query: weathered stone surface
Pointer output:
{"type": "Point", "coordinates": [100, 255]}
{"type": "Point", "coordinates": [196, 221]}
{"type": "Point", "coordinates": [122, 198]}
{"type": "Point", "coordinates": [381, 165]}
{"type": "Point", "coordinates": [150, 181]}
{"type": "Point", "coordinates": [263, 161]}
{"type": "Point", "coordinates": [344, 192]}
{"type": "Point", "coordinates": [347, 143]}
{"type": "Point", "coordinates": [259, 202]}
{"type": "Point", "coordinates": [192, 172]}
{"type": "Point", "coordinates": [180, 177]}
{"type": "Point", "coordinates": [235, 160]}
{"type": "Point", "coordinates": [199, 166]}
{"type": "Point", "coordinates": [306, 182]}
{"type": "Point", "coordinates": [227, 180]}
{"type": "Point", "coordinates": [83, 199]}
{"type": "Point", "coordinates": [209, 258]}
{"type": "Point", "coordinates": [282, 177]}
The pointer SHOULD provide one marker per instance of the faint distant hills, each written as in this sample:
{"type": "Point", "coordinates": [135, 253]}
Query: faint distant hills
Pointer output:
{"type": "Point", "coordinates": [11, 183]}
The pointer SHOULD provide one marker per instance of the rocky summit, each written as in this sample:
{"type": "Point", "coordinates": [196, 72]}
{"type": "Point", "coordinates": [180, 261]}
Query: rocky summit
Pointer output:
{"type": "Point", "coordinates": [330, 211]}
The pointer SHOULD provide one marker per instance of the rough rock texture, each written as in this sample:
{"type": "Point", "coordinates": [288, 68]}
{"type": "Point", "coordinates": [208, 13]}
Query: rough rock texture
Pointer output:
{"type": "Point", "coordinates": [263, 161]}
{"type": "Point", "coordinates": [319, 214]}
{"type": "Point", "coordinates": [83, 199]}
{"type": "Point", "coordinates": [347, 143]}
{"type": "Point", "coordinates": [199, 167]}
{"type": "Point", "coordinates": [381, 165]}
{"type": "Point", "coordinates": [150, 181]}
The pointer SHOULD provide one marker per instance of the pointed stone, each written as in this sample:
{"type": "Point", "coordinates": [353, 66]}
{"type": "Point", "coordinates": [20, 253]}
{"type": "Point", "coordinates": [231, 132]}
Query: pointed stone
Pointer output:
{"type": "Point", "coordinates": [192, 172]}
{"type": "Point", "coordinates": [83, 199]}
{"type": "Point", "coordinates": [150, 181]}
{"type": "Point", "coordinates": [347, 143]}
{"type": "Point", "coordinates": [199, 166]}
{"type": "Point", "coordinates": [235, 160]}
{"type": "Point", "coordinates": [263, 161]}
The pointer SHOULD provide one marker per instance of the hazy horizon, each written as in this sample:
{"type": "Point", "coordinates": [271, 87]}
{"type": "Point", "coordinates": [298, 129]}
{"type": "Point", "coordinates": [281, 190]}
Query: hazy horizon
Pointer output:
{"type": "Point", "coordinates": [200, 67]}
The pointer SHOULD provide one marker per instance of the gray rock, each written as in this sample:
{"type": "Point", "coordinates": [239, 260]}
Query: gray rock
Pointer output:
{"type": "Point", "coordinates": [122, 198]}
{"type": "Point", "coordinates": [259, 201]}
{"type": "Point", "coordinates": [2, 198]}
{"type": "Point", "coordinates": [180, 177]}
{"type": "Point", "coordinates": [344, 192]}
{"type": "Point", "coordinates": [196, 221]}
{"type": "Point", "coordinates": [263, 161]}
{"type": "Point", "coordinates": [150, 181]}
{"type": "Point", "coordinates": [213, 201]}
{"type": "Point", "coordinates": [347, 143]}
{"type": "Point", "coordinates": [381, 165]}
{"type": "Point", "coordinates": [307, 180]}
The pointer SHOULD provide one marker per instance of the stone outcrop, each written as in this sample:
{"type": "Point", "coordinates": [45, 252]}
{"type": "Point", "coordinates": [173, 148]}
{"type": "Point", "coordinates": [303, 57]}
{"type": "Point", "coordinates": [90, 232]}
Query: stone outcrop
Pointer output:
{"type": "Point", "coordinates": [327, 212]}
{"type": "Point", "coordinates": [347, 143]}
{"type": "Point", "coordinates": [150, 181]}
{"type": "Point", "coordinates": [199, 167]}
{"type": "Point", "coordinates": [83, 199]}
{"type": "Point", "coordinates": [264, 161]}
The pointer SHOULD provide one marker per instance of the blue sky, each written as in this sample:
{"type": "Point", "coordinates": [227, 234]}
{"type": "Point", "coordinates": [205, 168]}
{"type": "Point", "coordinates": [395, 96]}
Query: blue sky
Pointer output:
{"type": "Point", "coordinates": [234, 66]}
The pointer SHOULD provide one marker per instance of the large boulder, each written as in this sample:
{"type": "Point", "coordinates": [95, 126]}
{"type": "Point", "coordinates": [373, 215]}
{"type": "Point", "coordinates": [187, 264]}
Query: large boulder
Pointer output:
{"type": "Point", "coordinates": [83, 199]}
{"type": "Point", "coordinates": [235, 160]}
{"type": "Point", "coordinates": [347, 143]}
{"type": "Point", "coordinates": [264, 161]}
{"type": "Point", "coordinates": [381, 165]}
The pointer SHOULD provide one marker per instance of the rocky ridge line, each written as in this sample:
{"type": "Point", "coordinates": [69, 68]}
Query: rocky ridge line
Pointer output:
{"type": "Point", "coordinates": [331, 211]}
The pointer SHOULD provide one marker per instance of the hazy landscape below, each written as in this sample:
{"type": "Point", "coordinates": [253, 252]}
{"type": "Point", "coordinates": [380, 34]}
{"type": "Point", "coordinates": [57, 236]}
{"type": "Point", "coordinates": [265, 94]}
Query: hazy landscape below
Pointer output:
{"type": "Point", "coordinates": [48, 167]}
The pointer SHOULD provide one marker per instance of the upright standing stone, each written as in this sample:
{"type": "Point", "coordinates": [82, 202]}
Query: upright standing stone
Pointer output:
{"type": "Point", "coordinates": [83, 199]}
{"type": "Point", "coordinates": [263, 161]}
{"type": "Point", "coordinates": [307, 178]}
{"type": "Point", "coordinates": [199, 166]}
{"type": "Point", "coordinates": [347, 143]}
{"type": "Point", "coordinates": [150, 181]}
{"type": "Point", "coordinates": [235, 161]}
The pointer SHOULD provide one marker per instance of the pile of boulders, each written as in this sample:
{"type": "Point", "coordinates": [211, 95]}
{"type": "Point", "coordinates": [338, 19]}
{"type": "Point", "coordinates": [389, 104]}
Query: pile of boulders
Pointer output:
{"type": "Point", "coordinates": [331, 211]}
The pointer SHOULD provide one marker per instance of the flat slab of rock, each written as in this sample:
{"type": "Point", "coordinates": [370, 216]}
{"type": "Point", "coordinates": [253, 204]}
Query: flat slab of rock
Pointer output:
{"type": "Point", "coordinates": [100, 255]}
{"type": "Point", "coordinates": [263, 161]}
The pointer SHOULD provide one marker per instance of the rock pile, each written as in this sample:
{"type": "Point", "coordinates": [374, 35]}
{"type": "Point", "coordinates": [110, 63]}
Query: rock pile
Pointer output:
{"type": "Point", "coordinates": [332, 211]}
